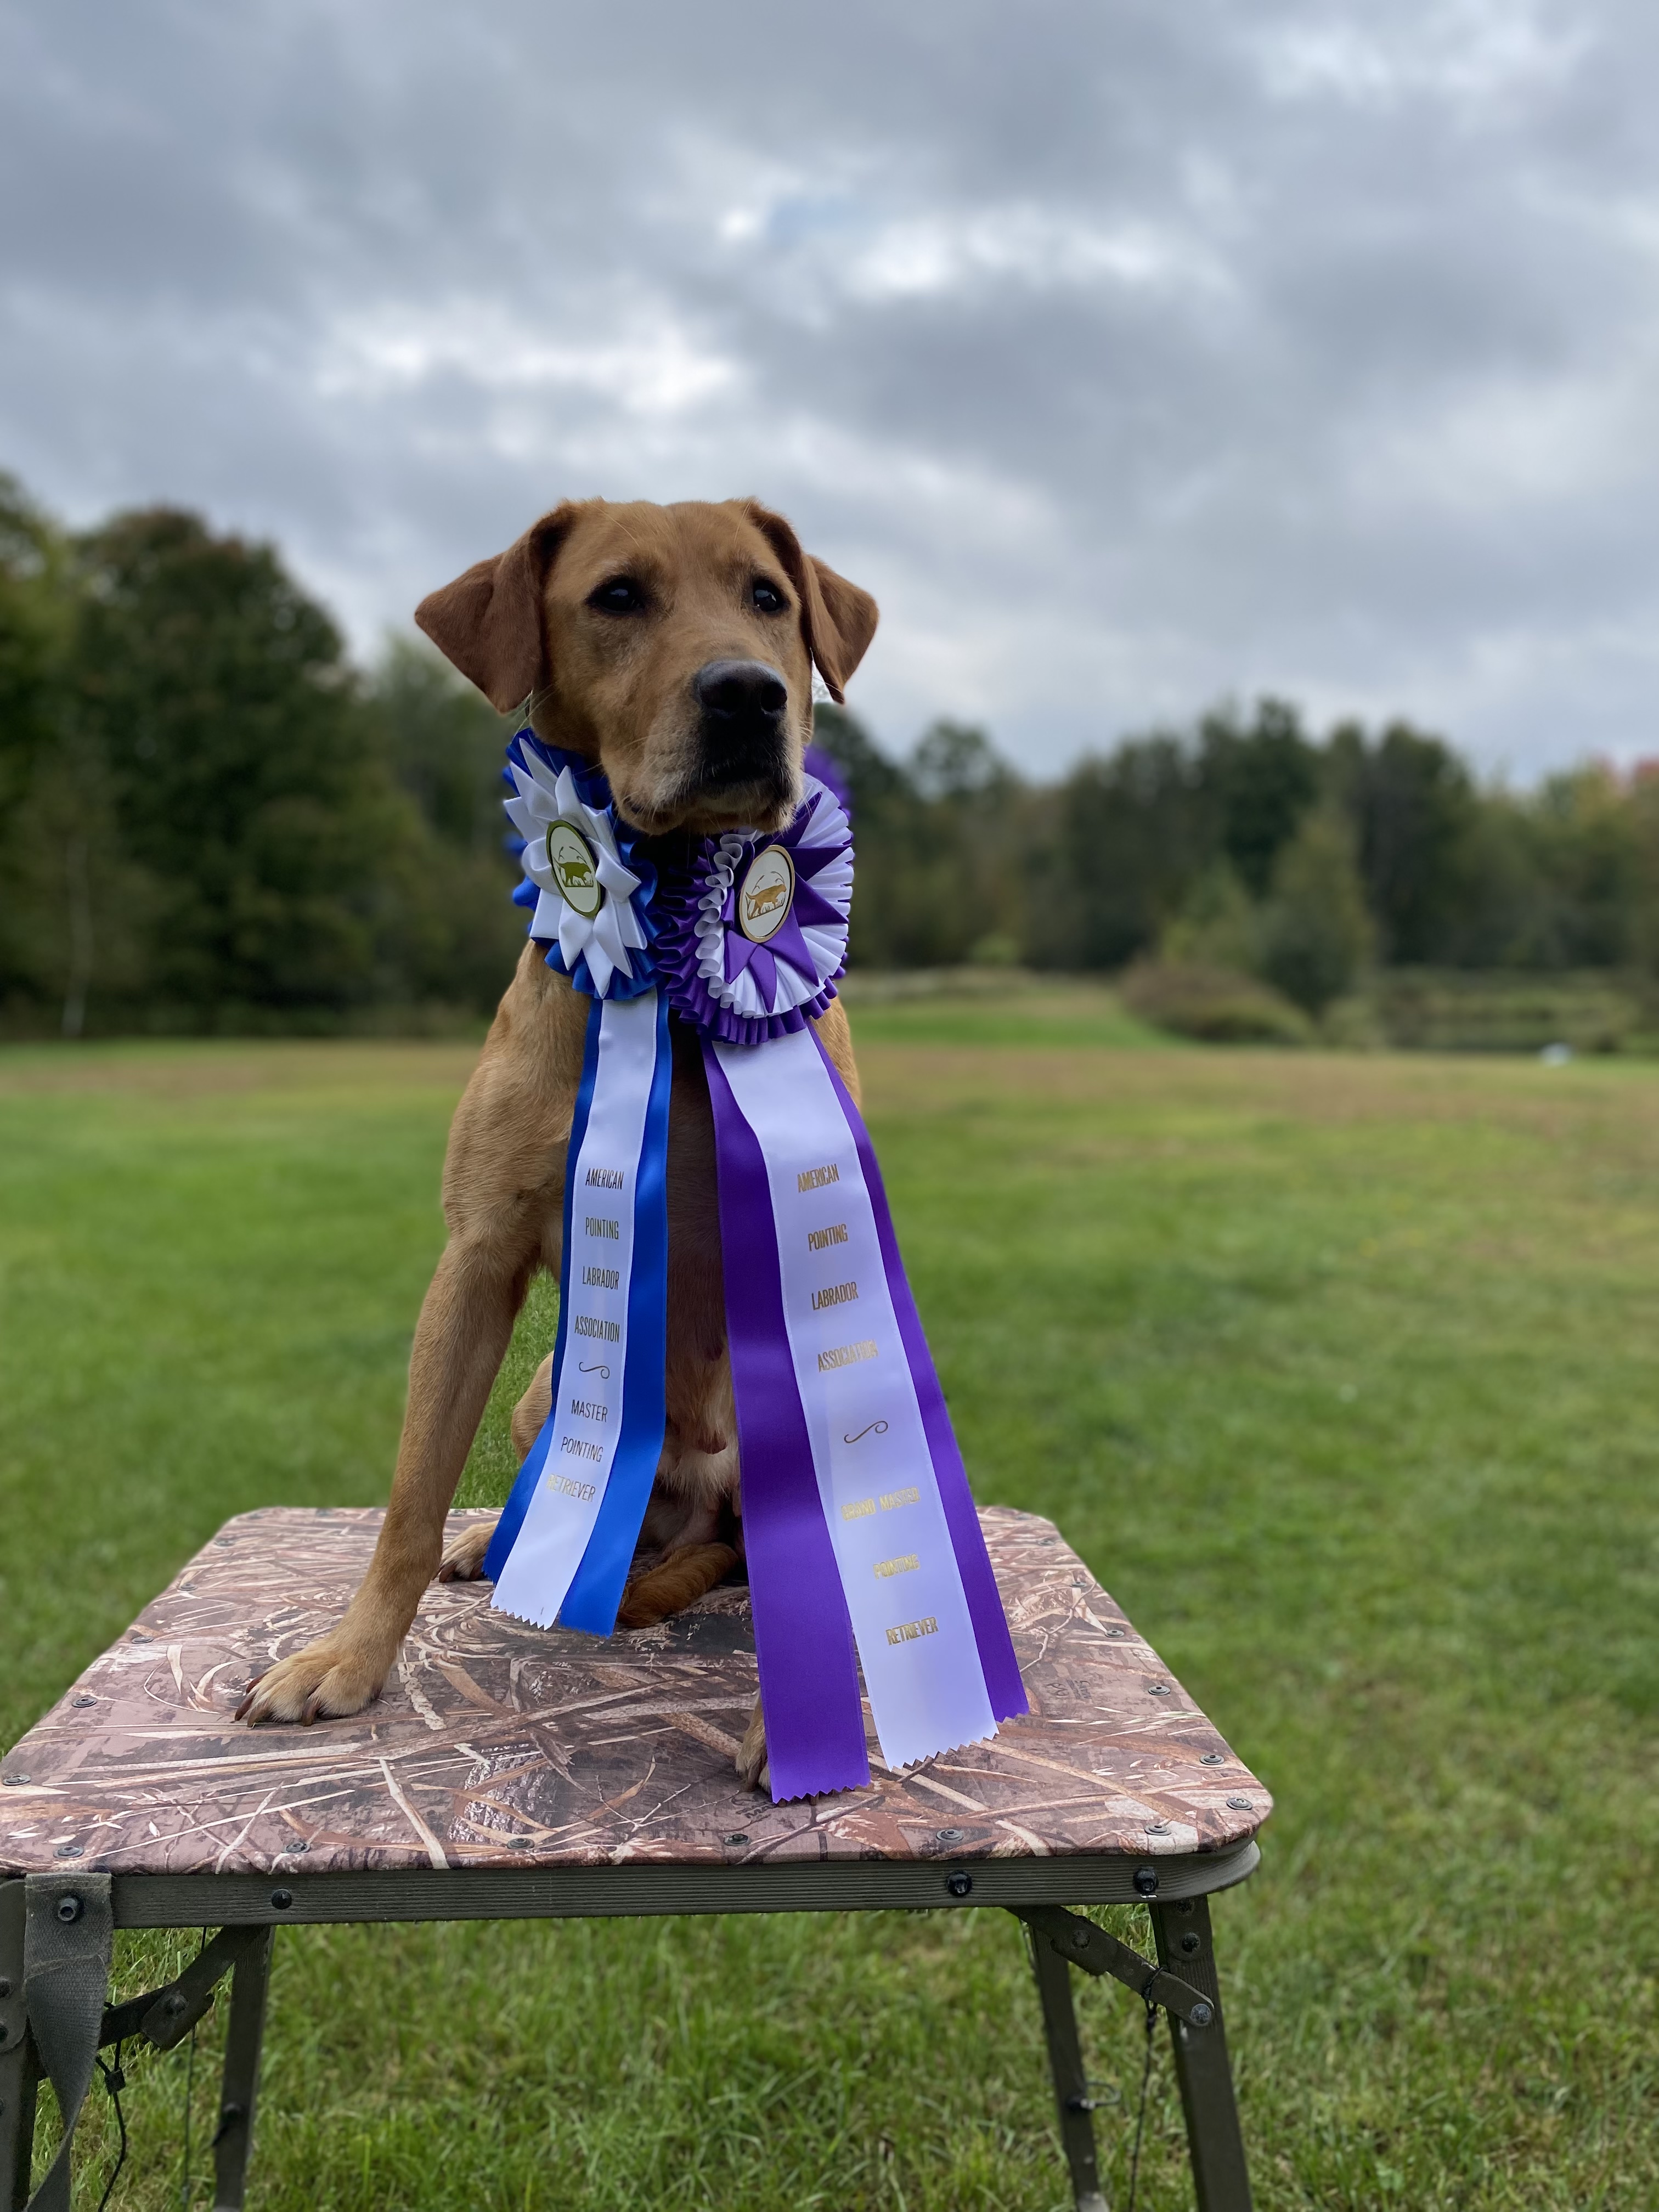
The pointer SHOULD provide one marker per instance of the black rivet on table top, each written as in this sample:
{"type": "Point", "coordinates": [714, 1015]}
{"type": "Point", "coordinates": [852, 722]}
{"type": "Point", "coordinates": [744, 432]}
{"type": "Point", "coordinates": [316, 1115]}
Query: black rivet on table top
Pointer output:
{"type": "Point", "coordinates": [1117, 1632]}
{"type": "Point", "coordinates": [1160, 1690]}
{"type": "Point", "coordinates": [1242, 1804]}
{"type": "Point", "coordinates": [1157, 1828]}
{"type": "Point", "coordinates": [86, 1698]}
{"type": "Point", "coordinates": [16, 1781]}
{"type": "Point", "coordinates": [67, 1851]}
{"type": "Point", "coordinates": [738, 1836]}
{"type": "Point", "coordinates": [1213, 1759]}
{"type": "Point", "coordinates": [949, 1835]}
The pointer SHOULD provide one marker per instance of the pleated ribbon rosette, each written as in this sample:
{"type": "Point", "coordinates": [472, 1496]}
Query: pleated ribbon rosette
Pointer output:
{"type": "Point", "coordinates": [863, 1545]}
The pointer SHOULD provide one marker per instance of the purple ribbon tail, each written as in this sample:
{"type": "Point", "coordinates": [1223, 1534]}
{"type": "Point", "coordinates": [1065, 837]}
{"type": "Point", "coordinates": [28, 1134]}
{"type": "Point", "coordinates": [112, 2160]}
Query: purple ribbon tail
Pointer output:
{"type": "Point", "coordinates": [979, 1583]}
{"type": "Point", "coordinates": [809, 1676]}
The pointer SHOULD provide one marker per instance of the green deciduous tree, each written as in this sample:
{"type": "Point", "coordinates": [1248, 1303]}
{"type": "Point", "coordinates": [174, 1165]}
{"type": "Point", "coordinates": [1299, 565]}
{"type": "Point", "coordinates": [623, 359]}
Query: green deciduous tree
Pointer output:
{"type": "Point", "coordinates": [944, 846]}
{"type": "Point", "coordinates": [455, 930]}
{"type": "Point", "coordinates": [1258, 777]}
{"type": "Point", "coordinates": [1129, 834]}
{"type": "Point", "coordinates": [208, 820]}
{"type": "Point", "coordinates": [213, 697]}
{"type": "Point", "coordinates": [1316, 933]}
{"type": "Point", "coordinates": [1413, 809]}
{"type": "Point", "coordinates": [45, 939]}
{"type": "Point", "coordinates": [36, 612]}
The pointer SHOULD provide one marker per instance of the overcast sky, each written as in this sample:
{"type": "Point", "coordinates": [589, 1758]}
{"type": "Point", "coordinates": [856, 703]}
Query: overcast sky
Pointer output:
{"type": "Point", "coordinates": [1131, 354]}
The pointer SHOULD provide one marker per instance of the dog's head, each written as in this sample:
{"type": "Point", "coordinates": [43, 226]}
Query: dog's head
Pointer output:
{"type": "Point", "coordinates": [674, 646]}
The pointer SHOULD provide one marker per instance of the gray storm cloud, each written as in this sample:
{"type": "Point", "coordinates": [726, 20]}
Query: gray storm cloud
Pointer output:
{"type": "Point", "coordinates": [1130, 354]}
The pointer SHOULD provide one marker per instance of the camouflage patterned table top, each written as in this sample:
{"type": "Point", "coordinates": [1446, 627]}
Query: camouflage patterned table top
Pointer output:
{"type": "Point", "coordinates": [499, 1744]}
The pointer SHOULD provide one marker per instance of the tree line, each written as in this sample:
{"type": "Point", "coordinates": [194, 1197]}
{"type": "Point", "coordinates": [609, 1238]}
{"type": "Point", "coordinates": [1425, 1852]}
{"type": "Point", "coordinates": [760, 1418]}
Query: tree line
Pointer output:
{"type": "Point", "coordinates": [211, 821]}
{"type": "Point", "coordinates": [1246, 843]}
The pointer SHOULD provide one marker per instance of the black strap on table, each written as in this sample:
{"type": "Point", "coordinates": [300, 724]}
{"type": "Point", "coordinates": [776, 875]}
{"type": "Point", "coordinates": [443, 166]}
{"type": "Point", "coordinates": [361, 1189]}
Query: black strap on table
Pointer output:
{"type": "Point", "coordinates": [68, 1942]}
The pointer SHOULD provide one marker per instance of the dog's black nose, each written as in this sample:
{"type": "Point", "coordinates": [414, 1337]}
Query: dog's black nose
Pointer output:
{"type": "Point", "coordinates": [743, 740]}
{"type": "Point", "coordinates": [740, 691]}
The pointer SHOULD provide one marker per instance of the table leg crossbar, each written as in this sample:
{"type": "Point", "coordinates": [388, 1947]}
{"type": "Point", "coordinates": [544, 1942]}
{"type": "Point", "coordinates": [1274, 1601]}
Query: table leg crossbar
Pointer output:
{"type": "Point", "coordinates": [56, 1938]}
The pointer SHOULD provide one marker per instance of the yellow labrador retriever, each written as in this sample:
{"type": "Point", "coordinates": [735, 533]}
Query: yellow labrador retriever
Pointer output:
{"type": "Point", "coordinates": [674, 646]}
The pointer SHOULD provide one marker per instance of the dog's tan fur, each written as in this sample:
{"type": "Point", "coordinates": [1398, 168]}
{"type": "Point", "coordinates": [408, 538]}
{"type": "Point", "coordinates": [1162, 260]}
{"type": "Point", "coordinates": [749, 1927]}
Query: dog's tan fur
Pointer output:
{"type": "Point", "coordinates": [618, 691]}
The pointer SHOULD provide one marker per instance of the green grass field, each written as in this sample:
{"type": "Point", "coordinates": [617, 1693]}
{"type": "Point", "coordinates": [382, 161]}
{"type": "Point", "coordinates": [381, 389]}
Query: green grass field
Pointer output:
{"type": "Point", "coordinates": [1340, 1371]}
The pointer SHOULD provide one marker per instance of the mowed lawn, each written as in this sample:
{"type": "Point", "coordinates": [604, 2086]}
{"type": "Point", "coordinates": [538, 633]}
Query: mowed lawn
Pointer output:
{"type": "Point", "coordinates": [1340, 1371]}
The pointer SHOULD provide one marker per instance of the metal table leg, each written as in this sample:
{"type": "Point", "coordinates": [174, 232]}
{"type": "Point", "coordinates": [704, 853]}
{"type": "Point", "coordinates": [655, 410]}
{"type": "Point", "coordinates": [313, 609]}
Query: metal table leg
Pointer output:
{"type": "Point", "coordinates": [20, 2071]}
{"type": "Point", "coordinates": [243, 2040]}
{"type": "Point", "coordinates": [1182, 1932]}
{"type": "Point", "coordinates": [1054, 1979]}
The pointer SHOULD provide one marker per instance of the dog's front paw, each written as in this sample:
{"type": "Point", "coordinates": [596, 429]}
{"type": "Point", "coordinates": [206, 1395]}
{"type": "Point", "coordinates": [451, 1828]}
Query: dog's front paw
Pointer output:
{"type": "Point", "coordinates": [464, 1561]}
{"type": "Point", "coordinates": [750, 1761]}
{"type": "Point", "coordinates": [329, 1681]}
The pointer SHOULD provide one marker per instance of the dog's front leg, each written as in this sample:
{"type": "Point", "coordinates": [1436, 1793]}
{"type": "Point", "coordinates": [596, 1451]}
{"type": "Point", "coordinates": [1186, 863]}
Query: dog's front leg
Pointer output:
{"type": "Point", "coordinates": [503, 1179]}
{"type": "Point", "coordinates": [750, 1761]}
{"type": "Point", "coordinates": [463, 1560]}
{"type": "Point", "coordinates": [465, 1325]}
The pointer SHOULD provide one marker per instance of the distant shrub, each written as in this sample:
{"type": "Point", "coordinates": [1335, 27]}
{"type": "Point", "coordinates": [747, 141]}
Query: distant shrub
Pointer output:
{"type": "Point", "coordinates": [1215, 1004]}
{"type": "Point", "coordinates": [1428, 1010]}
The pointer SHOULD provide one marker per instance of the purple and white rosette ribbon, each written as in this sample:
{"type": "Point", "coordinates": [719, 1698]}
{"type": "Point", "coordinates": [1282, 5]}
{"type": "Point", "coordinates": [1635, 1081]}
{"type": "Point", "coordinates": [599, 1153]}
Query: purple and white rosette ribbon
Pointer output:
{"type": "Point", "coordinates": [864, 1547]}
{"type": "Point", "coordinates": [754, 943]}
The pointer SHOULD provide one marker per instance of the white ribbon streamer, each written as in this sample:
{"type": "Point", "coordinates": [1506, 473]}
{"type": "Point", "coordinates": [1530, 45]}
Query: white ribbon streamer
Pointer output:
{"type": "Point", "coordinates": [587, 1389]}
{"type": "Point", "coordinates": [898, 1569]}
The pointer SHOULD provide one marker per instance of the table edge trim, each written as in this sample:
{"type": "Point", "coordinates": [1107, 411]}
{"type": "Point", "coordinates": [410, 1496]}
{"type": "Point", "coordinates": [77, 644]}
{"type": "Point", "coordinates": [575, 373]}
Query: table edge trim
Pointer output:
{"type": "Point", "coordinates": [192, 1900]}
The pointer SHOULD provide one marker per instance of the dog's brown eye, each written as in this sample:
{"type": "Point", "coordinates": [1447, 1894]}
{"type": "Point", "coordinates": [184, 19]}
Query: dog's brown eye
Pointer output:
{"type": "Point", "coordinates": [620, 595]}
{"type": "Point", "coordinates": [768, 598]}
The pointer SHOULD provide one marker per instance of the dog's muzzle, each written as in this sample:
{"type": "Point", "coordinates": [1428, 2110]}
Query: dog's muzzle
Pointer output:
{"type": "Point", "coordinates": [744, 703]}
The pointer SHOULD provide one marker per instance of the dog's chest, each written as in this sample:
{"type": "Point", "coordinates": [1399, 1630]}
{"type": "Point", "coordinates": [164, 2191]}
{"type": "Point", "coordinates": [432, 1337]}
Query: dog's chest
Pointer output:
{"type": "Point", "coordinates": [694, 1218]}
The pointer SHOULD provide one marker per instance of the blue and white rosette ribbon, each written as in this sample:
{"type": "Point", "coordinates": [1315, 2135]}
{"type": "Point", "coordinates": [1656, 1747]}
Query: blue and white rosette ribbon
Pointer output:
{"type": "Point", "coordinates": [565, 1540]}
{"type": "Point", "coordinates": [863, 1544]}
{"type": "Point", "coordinates": [592, 908]}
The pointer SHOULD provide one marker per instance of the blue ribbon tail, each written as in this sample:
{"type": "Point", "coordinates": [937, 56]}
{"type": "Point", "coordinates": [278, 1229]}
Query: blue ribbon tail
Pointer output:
{"type": "Point", "coordinates": [591, 1602]}
{"type": "Point", "coordinates": [524, 1488]}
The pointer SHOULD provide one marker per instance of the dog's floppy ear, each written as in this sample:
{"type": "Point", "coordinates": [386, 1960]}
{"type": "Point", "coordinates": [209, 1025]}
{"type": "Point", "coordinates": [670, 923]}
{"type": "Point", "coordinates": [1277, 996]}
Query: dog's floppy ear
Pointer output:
{"type": "Point", "coordinates": [839, 620]}
{"type": "Point", "coordinates": [489, 621]}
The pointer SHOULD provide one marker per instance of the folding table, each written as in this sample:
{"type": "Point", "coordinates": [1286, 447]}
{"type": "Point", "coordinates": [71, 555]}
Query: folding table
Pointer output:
{"type": "Point", "coordinates": [518, 1773]}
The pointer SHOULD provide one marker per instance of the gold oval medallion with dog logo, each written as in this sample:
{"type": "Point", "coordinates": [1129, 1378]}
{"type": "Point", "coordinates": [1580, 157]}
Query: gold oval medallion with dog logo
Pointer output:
{"type": "Point", "coordinates": [766, 894]}
{"type": "Point", "coordinates": [570, 857]}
